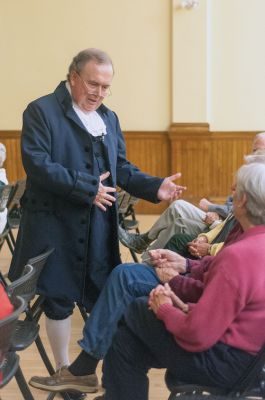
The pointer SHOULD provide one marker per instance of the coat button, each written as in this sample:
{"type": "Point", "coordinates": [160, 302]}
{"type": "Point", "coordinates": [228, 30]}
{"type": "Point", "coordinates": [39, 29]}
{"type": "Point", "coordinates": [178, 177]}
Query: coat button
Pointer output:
{"type": "Point", "coordinates": [81, 240]}
{"type": "Point", "coordinates": [88, 165]}
{"type": "Point", "coordinates": [91, 194]}
{"type": "Point", "coordinates": [94, 182]}
{"type": "Point", "coordinates": [79, 258]}
{"type": "Point", "coordinates": [87, 149]}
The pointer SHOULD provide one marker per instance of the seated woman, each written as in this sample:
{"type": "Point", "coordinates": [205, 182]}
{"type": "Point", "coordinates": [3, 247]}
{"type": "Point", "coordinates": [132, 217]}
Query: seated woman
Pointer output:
{"type": "Point", "coordinates": [210, 342]}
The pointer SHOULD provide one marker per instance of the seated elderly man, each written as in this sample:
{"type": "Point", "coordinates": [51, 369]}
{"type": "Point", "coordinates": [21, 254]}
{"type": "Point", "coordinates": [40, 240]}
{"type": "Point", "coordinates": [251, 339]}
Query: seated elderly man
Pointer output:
{"type": "Point", "coordinates": [205, 243]}
{"type": "Point", "coordinates": [125, 283]}
{"type": "Point", "coordinates": [180, 217]}
{"type": "Point", "coordinates": [208, 340]}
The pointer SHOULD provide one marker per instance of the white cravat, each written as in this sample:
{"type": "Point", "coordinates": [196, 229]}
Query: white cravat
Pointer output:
{"type": "Point", "coordinates": [92, 121]}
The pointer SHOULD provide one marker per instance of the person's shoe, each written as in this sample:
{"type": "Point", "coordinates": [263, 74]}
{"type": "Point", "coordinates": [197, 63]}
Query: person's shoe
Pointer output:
{"type": "Point", "coordinates": [133, 241]}
{"type": "Point", "coordinates": [63, 380]}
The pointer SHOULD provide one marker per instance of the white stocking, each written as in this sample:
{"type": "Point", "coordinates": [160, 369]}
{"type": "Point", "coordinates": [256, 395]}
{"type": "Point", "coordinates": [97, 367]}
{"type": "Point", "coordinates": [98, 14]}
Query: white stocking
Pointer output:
{"type": "Point", "coordinates": [59, 333]}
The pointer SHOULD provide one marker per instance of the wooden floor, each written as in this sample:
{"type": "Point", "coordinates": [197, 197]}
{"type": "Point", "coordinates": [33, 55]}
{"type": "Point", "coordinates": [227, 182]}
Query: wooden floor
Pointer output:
{"type": "Point", "coordinates": [31, 363]}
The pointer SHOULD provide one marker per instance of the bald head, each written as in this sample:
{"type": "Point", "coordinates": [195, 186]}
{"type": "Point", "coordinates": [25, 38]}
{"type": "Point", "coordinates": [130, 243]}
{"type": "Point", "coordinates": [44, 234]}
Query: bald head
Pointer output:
{"type": "Point", "coordinates": [259, 142]}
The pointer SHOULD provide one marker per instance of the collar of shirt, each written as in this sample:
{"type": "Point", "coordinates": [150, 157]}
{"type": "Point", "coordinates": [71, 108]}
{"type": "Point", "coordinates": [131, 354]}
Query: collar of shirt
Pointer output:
{"type": "Point", "coordinates": [92, 121]}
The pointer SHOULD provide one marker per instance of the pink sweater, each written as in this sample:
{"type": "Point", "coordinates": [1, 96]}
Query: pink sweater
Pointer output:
{"type": "Point", "coordinates": [231, 308]}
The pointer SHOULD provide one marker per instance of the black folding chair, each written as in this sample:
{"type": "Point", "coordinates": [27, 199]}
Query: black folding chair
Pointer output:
{"type": "Point", "coordinates": [5, 195]}
{"type": "Point", "coordinates": [27, 330]}
{"type": "Point", "coordinates": [127, 217]}
{"type": "Point", "coordinates": [246, 386]}
{"type": "Point", "coordinates": [126, 203]}
{"type": "Point", "coordinates": [9, 360]}
{"type": "Point", "coordinates": [14, 208]}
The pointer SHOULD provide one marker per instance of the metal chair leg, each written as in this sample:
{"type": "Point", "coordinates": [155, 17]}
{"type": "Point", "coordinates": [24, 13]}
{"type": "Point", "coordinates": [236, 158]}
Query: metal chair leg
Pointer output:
{"type": "Point", "coordinates": [44, 355]}
{"type": "Point", "coordinates": [134, 256]}
{"type": "Point", "coordinates": [23, 386]}
{"type": "Point", "coordinates": [82, 312]}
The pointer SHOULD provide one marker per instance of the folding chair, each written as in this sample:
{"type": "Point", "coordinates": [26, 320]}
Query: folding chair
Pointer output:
{"type": "Point", "coordinates": [5, 194]}
{"type": "Point", "coordinates": [9, 360]}
{"type": "Point", "coordinates": [127, 218]}
{"type": "Point", "coordinates": [244, 387]}
{"type": "Point", "coordinates": [27, 330]}
{"type": "Point", "coordinates": [14, 209]}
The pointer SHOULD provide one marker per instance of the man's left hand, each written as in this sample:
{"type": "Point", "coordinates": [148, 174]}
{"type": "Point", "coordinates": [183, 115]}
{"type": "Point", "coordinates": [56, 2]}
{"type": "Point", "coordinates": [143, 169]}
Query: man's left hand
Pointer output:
{"type": "Point", "coordinates": [168, 190]}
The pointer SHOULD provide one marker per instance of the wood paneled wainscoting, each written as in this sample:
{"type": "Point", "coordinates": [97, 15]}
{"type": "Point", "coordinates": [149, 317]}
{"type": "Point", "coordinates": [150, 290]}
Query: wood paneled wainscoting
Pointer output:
{"type": "Point", "coordinates": [207, 160]}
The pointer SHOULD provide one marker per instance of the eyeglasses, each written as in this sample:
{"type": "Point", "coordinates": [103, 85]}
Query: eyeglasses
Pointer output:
{"type": "Point", "coordinates": [96, 88]}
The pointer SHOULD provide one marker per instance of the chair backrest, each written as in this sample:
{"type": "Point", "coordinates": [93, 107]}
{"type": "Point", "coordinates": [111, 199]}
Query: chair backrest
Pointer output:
{"type": "Point", "coordinates": [5, 193]}
{"type": "Point", "coordinates": [26, 285]}
{"type": "Point", "coordinates": [39, 261]}
{"type": "Point", "coordinates": [17, 193]}
{"type": "Point", "coordinates": [8, 325]}
{"type": "Point", "coordinates": [125, 200]}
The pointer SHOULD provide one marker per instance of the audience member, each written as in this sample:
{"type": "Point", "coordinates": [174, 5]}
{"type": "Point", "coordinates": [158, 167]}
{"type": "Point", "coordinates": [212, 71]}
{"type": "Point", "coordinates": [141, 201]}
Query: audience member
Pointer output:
{"type": "Point", "coordinates": [205, 243]}
{"type": "Point", "coordinates": [180, 217]}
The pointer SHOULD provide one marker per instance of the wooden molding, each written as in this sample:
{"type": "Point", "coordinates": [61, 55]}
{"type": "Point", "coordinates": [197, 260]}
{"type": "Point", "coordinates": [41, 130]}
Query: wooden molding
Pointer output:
{"type": "Point", "coordinates": [181, 129]}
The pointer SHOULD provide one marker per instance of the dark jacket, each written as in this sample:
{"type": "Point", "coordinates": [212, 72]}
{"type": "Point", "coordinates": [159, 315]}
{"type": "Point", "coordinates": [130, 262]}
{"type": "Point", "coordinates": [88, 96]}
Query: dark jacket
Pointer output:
{"type": "Point", "coordinates": [61, 185]}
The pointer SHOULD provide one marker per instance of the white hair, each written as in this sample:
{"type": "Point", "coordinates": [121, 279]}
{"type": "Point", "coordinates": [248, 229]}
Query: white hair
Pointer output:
{"type": "Point", "coordinates": [2, 154]}
{"type": "Point", "coordinates": [251, 182]}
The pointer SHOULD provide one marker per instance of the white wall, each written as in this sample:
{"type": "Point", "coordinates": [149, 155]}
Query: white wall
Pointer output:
{"type": "Point", "coordinates": [219, 64]}
{"type": "Point", "coordinates": [189, 49]}
{"type": "Point", "coordinates": [237, 60]}
{"type": "Point", "coordinates": [172, 65]}
{"type": "Point", "coordinates": [38, 39]}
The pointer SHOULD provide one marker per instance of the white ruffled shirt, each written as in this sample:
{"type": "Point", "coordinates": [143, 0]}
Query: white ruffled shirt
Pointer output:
{"type": "Point", "coordinates": [92, 121]}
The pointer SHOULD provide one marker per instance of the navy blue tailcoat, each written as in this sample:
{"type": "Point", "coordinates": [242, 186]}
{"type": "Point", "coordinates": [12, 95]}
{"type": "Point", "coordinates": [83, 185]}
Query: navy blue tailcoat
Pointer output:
{"type": "Point", "coordinates": [58, 158]}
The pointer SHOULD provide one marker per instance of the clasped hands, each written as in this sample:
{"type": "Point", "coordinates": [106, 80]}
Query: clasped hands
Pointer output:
{"type": "Point", "coordinates": [167, 264]}
{"type": "Point", "coordinates": [164, 295]}
{"type": "Point", "coordinates": [199, 247]}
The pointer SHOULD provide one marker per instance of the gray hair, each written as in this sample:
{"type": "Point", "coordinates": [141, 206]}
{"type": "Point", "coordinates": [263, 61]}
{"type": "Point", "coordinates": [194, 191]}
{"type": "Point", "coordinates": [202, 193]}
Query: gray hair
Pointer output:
{"type": "Point", "coordinates": [251, 182]}
{"type": "Point", "coordinates": [2, 154]}
{"type": "Point", "coordinates": [87, 55]}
